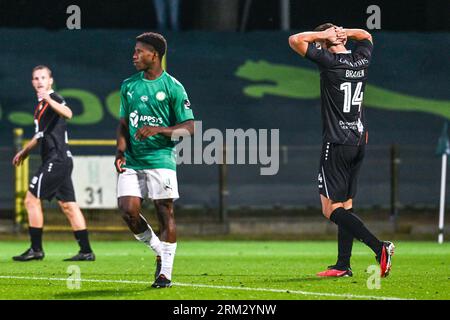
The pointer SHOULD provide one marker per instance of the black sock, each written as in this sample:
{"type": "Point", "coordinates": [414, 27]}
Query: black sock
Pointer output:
{"type": "Point", "coordinates": [36, 238]}
{"type": "Point", "coordinates": [345, 245]}
{"type": "Point", "coordinates": [83, 240]}
{"type": "Point", "coordinates": [350, 222]}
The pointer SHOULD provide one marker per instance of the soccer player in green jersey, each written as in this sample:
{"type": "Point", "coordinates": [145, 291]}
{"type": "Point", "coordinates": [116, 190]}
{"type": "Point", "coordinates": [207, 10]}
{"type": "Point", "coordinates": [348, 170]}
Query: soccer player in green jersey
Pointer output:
{"type": "Point", "coordinates": [154, 109]}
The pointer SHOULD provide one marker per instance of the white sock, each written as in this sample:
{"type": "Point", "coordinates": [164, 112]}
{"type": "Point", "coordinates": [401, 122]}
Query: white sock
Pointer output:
{"type": "Point", "coordinates": [167, 256]}
{"type": "Point", "coordinates": [150, 239]}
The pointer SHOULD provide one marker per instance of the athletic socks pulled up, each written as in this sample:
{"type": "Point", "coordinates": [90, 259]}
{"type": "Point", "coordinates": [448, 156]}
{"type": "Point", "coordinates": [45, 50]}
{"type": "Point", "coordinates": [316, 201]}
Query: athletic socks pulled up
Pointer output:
{"type": "Point", "coordinates": [345, 245]}
{"type": "Point", "coordinates": [36, 238]}
{"type": "Point", "coordinates": [82, 238]}
{"type": "Point", "coordinates": [167, 257]}
{"type": "Point", "coordinates": [150, 239]}
{"type": "Point", "coordinates": [351, 223]}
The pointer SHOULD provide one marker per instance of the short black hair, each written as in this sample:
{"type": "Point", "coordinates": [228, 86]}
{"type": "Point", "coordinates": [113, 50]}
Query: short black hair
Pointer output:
{"type": "Point", "coordinates": [324, 26]}
{"type": "Point", "coordinates": [154, 39]}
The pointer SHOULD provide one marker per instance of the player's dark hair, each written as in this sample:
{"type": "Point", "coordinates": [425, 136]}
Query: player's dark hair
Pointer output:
{"type": "Point", "coordinates": [324, 26]}
{"type": "Point", "coordinates": [154, 39]}
{"type": "Point", "coordinates": [42, 67]}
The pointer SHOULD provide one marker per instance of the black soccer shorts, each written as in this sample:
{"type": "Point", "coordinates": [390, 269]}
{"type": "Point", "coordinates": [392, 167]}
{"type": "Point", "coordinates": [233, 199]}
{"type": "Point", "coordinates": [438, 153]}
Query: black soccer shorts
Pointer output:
{"type": "Point", "coordinates": [339, 171]}
{"type": "Point", "coordinates": [54, 179]}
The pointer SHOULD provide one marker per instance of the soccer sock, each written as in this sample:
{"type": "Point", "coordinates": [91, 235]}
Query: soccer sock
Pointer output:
{"type": "Point", "coordinates": [150, 239]}
{"type": "Point", "coordinates": [83, 240]}
{"type": "Point", "coordinates": [345, 245]}
{"type": "Point", "coordinates": [167, 257]}
{"type": "Point", "coordinates": [36, 238]}
{"type": "Point", "coordinates": [350, 222]}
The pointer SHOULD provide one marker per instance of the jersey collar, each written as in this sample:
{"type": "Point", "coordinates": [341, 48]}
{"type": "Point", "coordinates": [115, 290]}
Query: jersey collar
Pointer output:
{"type": "Point", "coordinates": [154, 80]}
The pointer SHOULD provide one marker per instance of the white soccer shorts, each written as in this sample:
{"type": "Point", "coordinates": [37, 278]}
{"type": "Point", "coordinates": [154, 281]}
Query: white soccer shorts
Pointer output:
{"type": "Point", "coordinates": [149, 183]}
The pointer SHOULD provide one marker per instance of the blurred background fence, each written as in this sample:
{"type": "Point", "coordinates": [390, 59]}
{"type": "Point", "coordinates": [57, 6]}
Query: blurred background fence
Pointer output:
{"type": "Point", "coordinates": [415, 183]}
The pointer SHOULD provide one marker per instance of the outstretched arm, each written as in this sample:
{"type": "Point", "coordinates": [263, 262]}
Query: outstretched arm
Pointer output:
{"type": "Point", "coordinates": [358, 34]}
{"type": "Point", "coordinates": [299, 42]}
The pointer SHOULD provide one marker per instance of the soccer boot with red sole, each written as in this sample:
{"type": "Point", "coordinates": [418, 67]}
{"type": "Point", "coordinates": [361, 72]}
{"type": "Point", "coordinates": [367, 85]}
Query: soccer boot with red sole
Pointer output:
{"type": "Point", "coordinates": [385, 260]}
{"type": "Point", "coordinates": [337, 272]}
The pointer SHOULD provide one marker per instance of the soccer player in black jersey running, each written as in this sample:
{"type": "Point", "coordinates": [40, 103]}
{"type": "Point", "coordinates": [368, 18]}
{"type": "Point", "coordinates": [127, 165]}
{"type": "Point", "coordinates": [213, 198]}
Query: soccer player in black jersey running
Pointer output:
{"type": "Point", "coordinates": [53, 178]}
{"type": "Point", "coordinates": [343, 76]}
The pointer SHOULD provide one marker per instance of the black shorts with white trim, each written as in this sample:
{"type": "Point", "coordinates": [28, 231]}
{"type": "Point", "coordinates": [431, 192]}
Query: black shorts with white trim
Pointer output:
{"type": "Point", "coordinates": [339, 170]}
{"type": "Point", "coordinates": [54, 179]}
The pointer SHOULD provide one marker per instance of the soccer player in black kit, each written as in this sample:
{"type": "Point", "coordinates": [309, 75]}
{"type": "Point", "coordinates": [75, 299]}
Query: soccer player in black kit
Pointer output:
{"type": "Point", "coordinates": [343, 76]}
{"type": "Point", "coordinates": [53, 178]}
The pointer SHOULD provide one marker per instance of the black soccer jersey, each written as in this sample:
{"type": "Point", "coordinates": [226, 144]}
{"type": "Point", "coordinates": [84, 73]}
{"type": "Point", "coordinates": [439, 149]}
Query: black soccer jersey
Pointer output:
{"type": "Point", "coordinates": [343, 79]}
{"type": "Point", "coordinates": [51, 129]}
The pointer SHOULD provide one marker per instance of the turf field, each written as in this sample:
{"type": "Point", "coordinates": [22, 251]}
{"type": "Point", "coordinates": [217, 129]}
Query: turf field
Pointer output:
{"type": "Point", "coordinates": [225, 270]}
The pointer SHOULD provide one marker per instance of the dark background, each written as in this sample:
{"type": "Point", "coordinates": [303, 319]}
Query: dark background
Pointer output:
{"type": "Point", "coordinates": [398, 15]}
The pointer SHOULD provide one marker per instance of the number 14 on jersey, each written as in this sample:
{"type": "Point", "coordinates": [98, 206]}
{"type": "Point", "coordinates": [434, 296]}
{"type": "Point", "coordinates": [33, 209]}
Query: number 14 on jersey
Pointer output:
{"type": "Point", "coordinates": [356, 99]}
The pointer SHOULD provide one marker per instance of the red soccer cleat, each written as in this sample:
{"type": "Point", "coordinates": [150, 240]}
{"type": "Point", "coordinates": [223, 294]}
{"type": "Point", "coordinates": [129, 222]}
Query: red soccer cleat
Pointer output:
{"type": "Point", "coordinates": [387, 251]}
{"type": "Point", "coordinates": [331, 272]}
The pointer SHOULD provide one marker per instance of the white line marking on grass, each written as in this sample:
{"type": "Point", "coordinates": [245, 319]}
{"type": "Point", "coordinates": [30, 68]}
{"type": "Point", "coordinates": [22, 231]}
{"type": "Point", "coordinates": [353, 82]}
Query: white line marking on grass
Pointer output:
{"type": "Point", "coordinates": [306, 293]}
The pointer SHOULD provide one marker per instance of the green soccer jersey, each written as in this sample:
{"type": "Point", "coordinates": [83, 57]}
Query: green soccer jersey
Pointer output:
{"type": "Point", "coordinates": [161, 102]}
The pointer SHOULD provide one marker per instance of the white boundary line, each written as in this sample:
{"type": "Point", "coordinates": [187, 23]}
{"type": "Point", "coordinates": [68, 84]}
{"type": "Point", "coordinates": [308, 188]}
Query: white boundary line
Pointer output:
{"type": "Point", "coordinates": [307, 293]}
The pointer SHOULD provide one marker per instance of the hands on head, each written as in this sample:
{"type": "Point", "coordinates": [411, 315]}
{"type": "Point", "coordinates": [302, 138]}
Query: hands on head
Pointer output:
{"type": "Point", "coordinates": [336, 35]}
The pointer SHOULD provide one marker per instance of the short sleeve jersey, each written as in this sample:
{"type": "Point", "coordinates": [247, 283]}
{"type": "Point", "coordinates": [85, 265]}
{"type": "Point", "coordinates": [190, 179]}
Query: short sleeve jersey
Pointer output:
{"type": "Point", "coordinates": [51, 130]}
{"type": "Point", "coordinates": [343, 79]}
{"type": "Point", "coordinates": [160, 102]}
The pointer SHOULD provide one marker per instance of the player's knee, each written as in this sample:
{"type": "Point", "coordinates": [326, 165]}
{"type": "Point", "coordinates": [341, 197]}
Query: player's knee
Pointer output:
{"type": "Point", "coordinates": [129, 214]}
{"type": "Point", "coordinates": [65, 207]}
{"type": "Point", "coordinates": [71, 210]}
{"type": "Point", "coordinates": [129, 219]}
{"type": "Point", "coordinates": [31, 202]}
{"type": "Point", "coordinates": [164, 207]}
{"type": "Point", "coordinates": [164, 203]}
{"type": "Point", "coordinates": [128, 209]}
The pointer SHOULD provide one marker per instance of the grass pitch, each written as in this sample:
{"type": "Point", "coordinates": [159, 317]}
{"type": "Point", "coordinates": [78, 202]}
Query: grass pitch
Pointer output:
{"type": "Point", "coordinates": [225, 270]}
